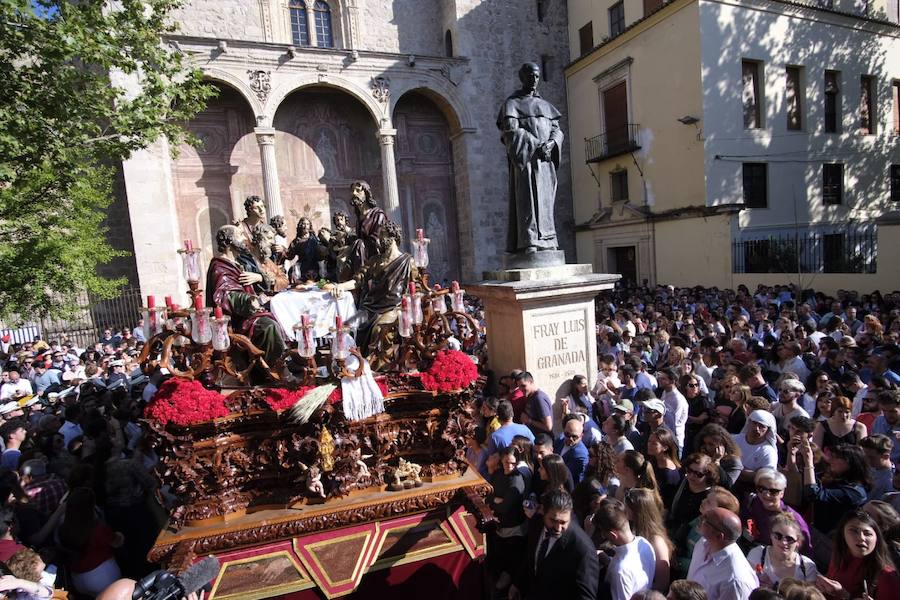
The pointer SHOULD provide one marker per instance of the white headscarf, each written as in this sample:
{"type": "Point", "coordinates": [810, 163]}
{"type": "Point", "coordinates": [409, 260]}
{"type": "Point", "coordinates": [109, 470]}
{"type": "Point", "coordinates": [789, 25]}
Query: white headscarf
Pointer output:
{"type": "Point", "coordinates": [767, 419]}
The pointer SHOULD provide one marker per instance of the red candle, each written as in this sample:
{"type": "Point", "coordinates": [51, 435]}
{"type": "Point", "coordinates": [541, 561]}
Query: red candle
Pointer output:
{"type": "Point", "coordinates": [188, 245]}
{"type": "Point", "coordinates": [218, 312]}
{"type": "Point", "coordinates": [168, 301]}
{"type": "Point", "coordinates": [198, 302]}
{"type": "Point", "coordinates": [412, 288]}
{"type": "Point", "coordinates": [420, 234]}
{"type": "Point", "coordinates": [151, 302]}
{"type": "Point", "coordinates": [454, 286]}
{"type": "Point", "coordinates": [404, 303]}
{"type": "Point", "coordinates": [338, 323]}
{"type": "Point", "coordinates": [304, 320]}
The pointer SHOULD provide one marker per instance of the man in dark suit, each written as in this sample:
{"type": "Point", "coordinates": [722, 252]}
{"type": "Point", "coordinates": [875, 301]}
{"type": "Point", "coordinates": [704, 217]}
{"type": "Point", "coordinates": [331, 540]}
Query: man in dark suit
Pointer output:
{"type": "Point", "coordinates": [571, 447]}
{"type": "Point", "coordinates": [560, 559]}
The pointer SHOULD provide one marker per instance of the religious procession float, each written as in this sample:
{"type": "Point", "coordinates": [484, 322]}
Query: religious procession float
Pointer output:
{"type": "Point", "coordinates": [314, 428]}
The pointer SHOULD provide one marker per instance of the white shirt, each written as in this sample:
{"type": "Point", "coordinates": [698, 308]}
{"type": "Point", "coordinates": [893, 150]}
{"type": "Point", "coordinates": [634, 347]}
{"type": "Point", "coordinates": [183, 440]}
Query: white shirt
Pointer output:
{"type": "Point", "coordinates": [725, 575]}
{"type": "Point", "coordinates": [858, 401]}
{"type": "Point", "coordinates": [755, 456]}
{"type": "Point", "coordinates": [804, 571]}
{"type": "Point", "coordinates": [797, 367]}
{"type": "Point", "coordinates": [632, 569]}
{"type": "Point", "coordinates": [676, 414]}
{"type": "Point", "coordinates": [12, 390]}
{"type": "Point", "coordinates": [782, 417]}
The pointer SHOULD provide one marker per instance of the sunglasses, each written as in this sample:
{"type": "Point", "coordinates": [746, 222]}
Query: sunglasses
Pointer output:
{"type": "Point", "coordinates": [773, 491]}
{"type": "Point", "coordinates": [780, 537]}
{"type": "Point", "coordinates": [695, 472]}
{"type": "Point", "coordinates": [693, 385]}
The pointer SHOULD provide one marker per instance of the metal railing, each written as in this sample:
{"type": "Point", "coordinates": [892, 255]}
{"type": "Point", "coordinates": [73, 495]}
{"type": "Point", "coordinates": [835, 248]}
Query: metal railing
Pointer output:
{"type": "Point", "coordinates": [612, 142]}
{"type": "Point", "coordinates": [85, 327]}
{"type": "Point", "coordinates": [807, 252]}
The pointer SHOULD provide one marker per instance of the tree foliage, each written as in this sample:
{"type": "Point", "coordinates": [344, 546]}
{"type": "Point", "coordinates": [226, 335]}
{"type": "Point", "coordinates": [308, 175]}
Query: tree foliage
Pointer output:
{"type": "Point", "coordinates": [83, 84]}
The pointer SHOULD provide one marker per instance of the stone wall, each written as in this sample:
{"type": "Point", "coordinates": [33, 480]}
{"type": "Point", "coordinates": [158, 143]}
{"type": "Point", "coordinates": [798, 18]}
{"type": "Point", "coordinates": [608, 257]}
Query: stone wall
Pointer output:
{"type": "Point", "coordinates": [221, 19]}
{"type": "Point", "coordinates": [491, 39]}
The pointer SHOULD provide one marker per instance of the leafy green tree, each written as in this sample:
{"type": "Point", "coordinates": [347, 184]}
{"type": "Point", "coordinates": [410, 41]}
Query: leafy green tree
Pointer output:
{"type": "Point", "coordinates": [83, 84]}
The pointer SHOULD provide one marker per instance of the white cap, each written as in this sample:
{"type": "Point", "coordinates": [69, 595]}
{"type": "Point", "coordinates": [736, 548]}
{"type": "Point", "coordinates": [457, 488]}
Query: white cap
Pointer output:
{"type": "Point", "coordinates": [655, 404]}
{"type": "Point", "coordinates": [8, 407]}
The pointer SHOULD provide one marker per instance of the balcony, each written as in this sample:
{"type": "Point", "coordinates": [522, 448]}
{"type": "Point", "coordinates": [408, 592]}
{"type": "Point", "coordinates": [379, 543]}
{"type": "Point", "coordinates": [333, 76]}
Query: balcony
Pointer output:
{"type": "Point", "coordinates": [613, 142]}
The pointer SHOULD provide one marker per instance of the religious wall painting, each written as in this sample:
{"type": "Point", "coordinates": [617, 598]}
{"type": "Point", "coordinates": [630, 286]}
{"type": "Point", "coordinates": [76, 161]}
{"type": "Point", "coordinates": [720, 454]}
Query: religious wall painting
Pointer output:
{"type": "Point", "coordinates": [211, 179]}
{"type": "Point", "coordinates": [426, 180]}
{"type": "Point", "coordinates": [325, 140]}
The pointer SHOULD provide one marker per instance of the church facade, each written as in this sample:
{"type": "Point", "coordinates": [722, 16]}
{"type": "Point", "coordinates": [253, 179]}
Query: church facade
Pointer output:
{"type": "Point", "coordinates": [314, 95]}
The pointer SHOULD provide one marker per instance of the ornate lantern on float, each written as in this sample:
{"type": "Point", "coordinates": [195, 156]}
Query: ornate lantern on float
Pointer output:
{"type": "Point", "coordinates": [221, 341]}
{"type": "Point", "coordinates": [201, 326]}
{"type": "Point", "coordinates": [342, 340]}
{"type": "Point", "coordinates": [303, 333]}
{"type": "Point", "coordinates": [420, 249]}
{"type": "Point", "coordinates": [154, 318]}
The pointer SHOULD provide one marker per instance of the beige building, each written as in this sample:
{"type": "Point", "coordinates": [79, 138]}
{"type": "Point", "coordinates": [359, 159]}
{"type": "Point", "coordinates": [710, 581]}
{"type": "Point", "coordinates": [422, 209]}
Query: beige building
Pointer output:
{"type": "Point", "coordinates": [316, 94]}
{"type": "Point", "coordinates": [740, 141]}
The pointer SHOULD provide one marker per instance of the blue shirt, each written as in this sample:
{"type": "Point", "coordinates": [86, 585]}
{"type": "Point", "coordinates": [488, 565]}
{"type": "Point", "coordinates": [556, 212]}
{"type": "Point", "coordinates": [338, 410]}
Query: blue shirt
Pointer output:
{"type": "Point", "coordinates": [502, 438]}
{"type": "Point", "coordinates": [880, 425]}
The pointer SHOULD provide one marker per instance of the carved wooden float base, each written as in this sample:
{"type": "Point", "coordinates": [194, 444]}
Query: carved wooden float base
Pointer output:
{"type": "Point", "coordinates": [331, 546]}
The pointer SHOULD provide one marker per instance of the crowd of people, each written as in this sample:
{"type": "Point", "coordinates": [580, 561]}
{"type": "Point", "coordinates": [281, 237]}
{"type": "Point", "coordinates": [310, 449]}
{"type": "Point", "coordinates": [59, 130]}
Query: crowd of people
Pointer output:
{"type": "Point", "coordinates": [733, 445]}
{"type": "Point", "coordinates": [78, 498]}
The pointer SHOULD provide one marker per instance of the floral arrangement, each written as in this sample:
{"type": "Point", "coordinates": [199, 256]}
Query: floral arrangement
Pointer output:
{"type": "Point", "coordinates": [451, 370]}
{"type": "Point", "coordinates": [279, 399]}
{"type": "Point", "coordinates": [185, 403]}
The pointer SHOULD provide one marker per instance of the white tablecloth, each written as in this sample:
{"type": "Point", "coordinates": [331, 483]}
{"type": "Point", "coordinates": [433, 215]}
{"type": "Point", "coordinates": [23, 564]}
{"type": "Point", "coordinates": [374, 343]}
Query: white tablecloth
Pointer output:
{"type": "Point", "coordinates": [322, 308]}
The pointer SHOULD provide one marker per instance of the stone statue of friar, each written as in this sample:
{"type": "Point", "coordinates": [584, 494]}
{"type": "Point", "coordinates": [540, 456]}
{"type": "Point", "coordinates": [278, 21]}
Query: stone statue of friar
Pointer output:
{"type": "Point", "coordinates": [533, 139]}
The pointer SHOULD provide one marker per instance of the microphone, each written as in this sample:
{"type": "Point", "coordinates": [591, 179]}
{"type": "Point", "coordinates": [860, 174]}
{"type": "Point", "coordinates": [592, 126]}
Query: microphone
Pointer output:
{"type": "Point", "coordinates": [163, 585]}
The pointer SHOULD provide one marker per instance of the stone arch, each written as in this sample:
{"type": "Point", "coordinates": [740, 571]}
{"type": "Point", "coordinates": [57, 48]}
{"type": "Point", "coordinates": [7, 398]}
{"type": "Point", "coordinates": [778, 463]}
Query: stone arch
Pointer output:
{"type": "Point", "coordinates": [213, 178]}
{"type": "Point", "coordinates": [327, 80]}
{"type": "Point", "coordinates": [426, 179]}
{"type": "Point", "coordinates": [233, 81]}
{"type": "Point", "coordinates": [440, 91]}
{"type": "Point", "coordinates": [324, 140]}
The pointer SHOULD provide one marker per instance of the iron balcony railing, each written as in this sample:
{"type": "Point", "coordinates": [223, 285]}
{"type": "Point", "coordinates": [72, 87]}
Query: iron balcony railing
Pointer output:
{"type": "Point", "coordinates": [807, 252]}
{"type": "Point", "coordinates": [612, 142]}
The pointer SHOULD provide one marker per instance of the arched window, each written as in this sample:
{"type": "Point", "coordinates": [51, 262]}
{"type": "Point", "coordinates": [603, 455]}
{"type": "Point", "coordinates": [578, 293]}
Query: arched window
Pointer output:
{"type": "Point", "coordinates": [448, 44]}
{"type": "Point", "coordinates": [324, 36]}
{"type": "Point", "coordinates": [299, 27]}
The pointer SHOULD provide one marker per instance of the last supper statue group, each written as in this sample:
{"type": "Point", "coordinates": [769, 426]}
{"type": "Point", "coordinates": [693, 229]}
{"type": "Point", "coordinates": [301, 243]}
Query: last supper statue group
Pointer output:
{"type": "Point", "coordinates": [249, 277]}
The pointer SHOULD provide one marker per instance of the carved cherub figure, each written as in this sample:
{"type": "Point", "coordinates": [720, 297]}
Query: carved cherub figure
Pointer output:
{"type": "Point", "coordinates": [314, 481]}
{"type": "Point", "coordinates": [357, 456]}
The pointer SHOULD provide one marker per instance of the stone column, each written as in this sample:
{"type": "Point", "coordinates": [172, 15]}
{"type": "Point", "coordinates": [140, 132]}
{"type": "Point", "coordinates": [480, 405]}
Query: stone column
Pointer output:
{"type": "Point", "coordinates": [389, 174]}
{"type": "Point", "coordinates": [265, 137]}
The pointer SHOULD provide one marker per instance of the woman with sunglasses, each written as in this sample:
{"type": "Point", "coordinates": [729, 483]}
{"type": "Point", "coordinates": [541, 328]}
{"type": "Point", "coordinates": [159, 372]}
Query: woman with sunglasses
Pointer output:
{"type": "Point", "coordinates": [700, 474]}
{"type": "Point", "coordinates": [766, 504]}
{"type": "Point", "coordinates": [817, 384]}
{"type": "Point", "coordinates": [781, 559]}
{"type": "Point", "coordinates": [694, 391]}
{"type": "Point", "coordinates": [861, 565]}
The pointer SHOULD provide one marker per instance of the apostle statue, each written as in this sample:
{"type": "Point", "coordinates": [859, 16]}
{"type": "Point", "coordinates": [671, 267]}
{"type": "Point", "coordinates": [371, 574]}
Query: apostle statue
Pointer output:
{"type": "Point", "coordinates": [277, 223]}
{"type": "Point", "coordinates": [274, 279]}
{"type": "Point", "coordinates": [230, 287]}
{"type": "Point", "coordinates": [533, 139]}
{"type": "Point", "coordinates": [305, 248]}
{"type": "Point", "coordinates": [339, 248]}
{"type": "Point", "coordinates": [254, 212]}
{"type": "Point", "coordinates": [381, 284]}
{"type": "Point", "coordinates": [369, 219]}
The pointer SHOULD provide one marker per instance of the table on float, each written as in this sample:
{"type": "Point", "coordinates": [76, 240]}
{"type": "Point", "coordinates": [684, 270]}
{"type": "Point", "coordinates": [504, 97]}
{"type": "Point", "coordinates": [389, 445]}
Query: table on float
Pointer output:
{"type": "Point", "coordinates": [322, 307]}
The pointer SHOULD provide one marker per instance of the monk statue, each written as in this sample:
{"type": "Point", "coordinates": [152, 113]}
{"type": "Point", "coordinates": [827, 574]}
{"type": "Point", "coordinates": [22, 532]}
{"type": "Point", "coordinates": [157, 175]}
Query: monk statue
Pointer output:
{"type": "Point", "coordinates": [230, 287]}
{"type": "Point", "coordinates": [305, 248]}
{"type": "Point", "coordinates": [530, 131]}
{"type": "Point", "coordinates": [381, 284]}
{"type": "Point", "coordinates": [369, 219]}
{"type": "Point", "coordinates": [274, 279]}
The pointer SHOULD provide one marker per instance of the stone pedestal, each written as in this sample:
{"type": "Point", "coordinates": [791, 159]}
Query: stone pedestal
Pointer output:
{"type": "Point", "coordinates": [542, 320]}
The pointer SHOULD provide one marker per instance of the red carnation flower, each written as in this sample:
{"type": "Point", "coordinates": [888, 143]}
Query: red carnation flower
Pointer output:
{"type": "Point", "coordinates": [451, 370]}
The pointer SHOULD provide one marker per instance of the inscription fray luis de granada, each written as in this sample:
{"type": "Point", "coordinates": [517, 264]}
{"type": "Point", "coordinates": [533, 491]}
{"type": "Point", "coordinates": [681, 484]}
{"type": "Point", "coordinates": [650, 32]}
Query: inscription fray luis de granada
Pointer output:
{"type": "Point", "coordinates": [559, 344]}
